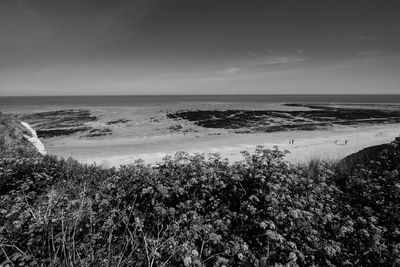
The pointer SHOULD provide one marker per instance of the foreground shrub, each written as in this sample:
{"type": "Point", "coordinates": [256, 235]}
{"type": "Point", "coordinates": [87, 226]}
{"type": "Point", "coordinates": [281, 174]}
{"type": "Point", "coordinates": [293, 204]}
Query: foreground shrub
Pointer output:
{"type": "Point", "coordinates": [196, 211]}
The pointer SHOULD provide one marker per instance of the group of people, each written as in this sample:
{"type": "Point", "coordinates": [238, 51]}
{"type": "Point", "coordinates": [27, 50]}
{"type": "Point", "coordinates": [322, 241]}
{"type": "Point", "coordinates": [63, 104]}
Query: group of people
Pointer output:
{"type": "Point", "coordinates": [337, 142]}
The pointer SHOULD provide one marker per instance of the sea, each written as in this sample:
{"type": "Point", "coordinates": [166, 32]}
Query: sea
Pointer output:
{"type": "Point", "coordinates": [150, 100]}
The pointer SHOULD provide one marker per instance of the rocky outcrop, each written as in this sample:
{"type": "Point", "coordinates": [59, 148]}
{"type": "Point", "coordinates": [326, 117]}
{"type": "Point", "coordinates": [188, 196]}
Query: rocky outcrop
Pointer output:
{"type": "Point", "coordinates": [17, 136]}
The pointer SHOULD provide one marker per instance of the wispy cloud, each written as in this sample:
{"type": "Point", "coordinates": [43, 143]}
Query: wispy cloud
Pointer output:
{"type": "Point", "coordinates": [231, 71]}
{"type": "Point", "coordinates": [369, 53]}
{"type": "Point", "coordinates": [367, 37]}
{"type": "Point", "coordinates": [280, 60]}
{"type": "Point", "coordinates": [253, 66]}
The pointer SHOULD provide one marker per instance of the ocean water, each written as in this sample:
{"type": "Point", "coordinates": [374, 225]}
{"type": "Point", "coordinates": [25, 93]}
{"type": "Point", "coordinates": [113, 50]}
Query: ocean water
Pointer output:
{"type": "Point", "coordinates": [155, 100]}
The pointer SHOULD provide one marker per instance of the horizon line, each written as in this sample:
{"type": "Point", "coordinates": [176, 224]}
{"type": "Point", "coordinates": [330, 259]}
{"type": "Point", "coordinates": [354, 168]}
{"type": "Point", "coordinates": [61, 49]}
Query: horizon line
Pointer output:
{"type": "Point", "coordinates": [94, 95]}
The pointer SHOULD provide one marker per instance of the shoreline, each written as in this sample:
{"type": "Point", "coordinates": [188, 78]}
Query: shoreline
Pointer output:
{"type": "Point", "coordinates": [319, 144]}
{"type": "Point", "coordinates": [113, 136]}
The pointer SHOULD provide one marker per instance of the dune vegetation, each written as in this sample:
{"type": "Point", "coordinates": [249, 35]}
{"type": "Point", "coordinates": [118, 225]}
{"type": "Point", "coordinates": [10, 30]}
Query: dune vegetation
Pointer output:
{"type": "Point", "coordinates": [191, 210]}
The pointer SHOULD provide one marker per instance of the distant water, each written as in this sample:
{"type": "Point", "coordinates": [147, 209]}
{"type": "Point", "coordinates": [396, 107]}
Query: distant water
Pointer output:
{"type": "Point", "coordinates": [118, 100]}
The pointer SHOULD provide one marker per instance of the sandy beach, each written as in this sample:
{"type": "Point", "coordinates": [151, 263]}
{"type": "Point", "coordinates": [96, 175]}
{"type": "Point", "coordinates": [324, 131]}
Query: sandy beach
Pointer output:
{"type": "Point", "coordinates": [308, 145]}
{"type": "Point", "coordinates": [114, 136]}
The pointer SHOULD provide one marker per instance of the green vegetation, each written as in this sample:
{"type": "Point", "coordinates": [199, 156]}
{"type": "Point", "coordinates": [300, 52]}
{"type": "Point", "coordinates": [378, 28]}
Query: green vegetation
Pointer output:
{"type": "Point", "coordinates": [196, 211]}
{"type": "Point", "coordinates": [12, 140]}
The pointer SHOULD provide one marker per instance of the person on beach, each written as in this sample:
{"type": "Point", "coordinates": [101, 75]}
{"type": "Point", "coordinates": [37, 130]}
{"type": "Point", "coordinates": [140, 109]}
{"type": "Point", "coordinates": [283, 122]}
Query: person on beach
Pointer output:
{"type": "Point", "coordinates": [345, 142]}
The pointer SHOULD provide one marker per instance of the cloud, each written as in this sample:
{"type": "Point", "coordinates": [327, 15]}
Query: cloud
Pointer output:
{"type": "Point", "coordinates": [231, 71]}
{"type": "Point", "coordinates": [254, 66]}
{"type": "Point", "coordinates": [367, 37]}
{"type": "Point", "coordinates": [278, 60]}
{"type": "Point", "coordinates": [248, 69]}
{"type": "Point", "coordinates": [369, 53]}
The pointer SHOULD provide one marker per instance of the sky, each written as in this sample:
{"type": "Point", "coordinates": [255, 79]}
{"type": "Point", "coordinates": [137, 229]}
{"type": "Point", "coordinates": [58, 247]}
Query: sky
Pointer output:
{"type": "Point", "coordinates": [104, 47]}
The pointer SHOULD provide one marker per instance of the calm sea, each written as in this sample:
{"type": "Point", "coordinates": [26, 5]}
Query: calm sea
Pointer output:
{"type": "Point", "coordinates": [130, 100]}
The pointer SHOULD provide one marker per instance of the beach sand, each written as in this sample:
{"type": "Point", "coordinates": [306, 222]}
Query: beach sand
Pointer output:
{"type": "Point", "coordinates": [307, 145]}
{"type": "Point", "coordinates": [148, 136]}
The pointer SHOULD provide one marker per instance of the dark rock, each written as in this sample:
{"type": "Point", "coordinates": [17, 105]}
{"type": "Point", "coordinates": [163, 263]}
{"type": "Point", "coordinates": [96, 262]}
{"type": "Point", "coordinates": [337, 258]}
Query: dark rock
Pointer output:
{"type": "Point", "coordinates": [60, 132]}
{"type": "Point", "coordinates": [120, 121]}
{"type": "Point", "coordinates": [60, 122]}
{"type": "Point", "coordinates": [318, 117]}
{"type": "Point", "coordinates": [174, 128]}
{"type": "Point", "coordinates": [99, 132]}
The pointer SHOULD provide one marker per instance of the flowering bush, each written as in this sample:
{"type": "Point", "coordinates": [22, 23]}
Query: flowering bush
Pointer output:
{"type": "Point", "coordinates": [189, 210]}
